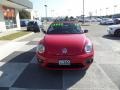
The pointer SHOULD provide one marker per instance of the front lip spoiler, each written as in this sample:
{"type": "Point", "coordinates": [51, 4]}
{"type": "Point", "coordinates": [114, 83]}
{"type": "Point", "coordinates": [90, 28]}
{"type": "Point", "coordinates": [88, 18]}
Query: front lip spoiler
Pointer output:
{"type": "Point", "coordinates": [62, 68]}
{"type": "Point", "coordinates": [85, 68]}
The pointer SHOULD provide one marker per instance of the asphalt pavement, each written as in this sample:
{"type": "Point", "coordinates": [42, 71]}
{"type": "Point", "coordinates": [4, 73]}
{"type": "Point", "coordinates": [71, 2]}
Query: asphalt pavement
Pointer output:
{"type": "Point", "coordinates": [19, 69]}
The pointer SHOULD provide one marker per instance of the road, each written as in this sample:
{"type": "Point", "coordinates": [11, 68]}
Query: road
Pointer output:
{"type": "Point", "coordinates": [20, 71]}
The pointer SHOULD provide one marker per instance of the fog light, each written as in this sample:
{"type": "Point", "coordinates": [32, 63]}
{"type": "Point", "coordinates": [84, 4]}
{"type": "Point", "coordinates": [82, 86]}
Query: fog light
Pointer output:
{"type": "Point", "coordinates": [89, 61]}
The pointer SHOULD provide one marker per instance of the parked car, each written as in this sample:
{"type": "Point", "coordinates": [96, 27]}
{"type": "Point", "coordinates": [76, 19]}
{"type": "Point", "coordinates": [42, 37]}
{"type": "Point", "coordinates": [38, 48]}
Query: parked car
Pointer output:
{"type": "Point", "coordinates": [107, 21]}
{"type": "Point", "coordinates": [65, 47]}
{"type": "Point", "coordinates": [117, 21]}
{"type": "Point", "coordinates": [98, 19]}
{"type": "Point", "coordinates": [35, 26]}
{"type": "Point", "coordinates": [114, 30]}
{"type": "Point", "coordinates": [93, 20]}
{"type": "Point", "coordinates": [24, 22]}
{"type": "Point", "coordinates": [85, 20]}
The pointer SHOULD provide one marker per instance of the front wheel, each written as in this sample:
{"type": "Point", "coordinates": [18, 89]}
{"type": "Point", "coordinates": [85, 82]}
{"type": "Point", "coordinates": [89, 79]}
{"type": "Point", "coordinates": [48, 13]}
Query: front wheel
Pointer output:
{"type": "Point", "coordinates": [117, 33]}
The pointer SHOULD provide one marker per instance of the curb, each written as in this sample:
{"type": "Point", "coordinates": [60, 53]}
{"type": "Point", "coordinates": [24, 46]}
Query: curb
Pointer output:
{"type": "Point", "coordinates": [85, 24]}
{"type": "Point", "coordinates": [19, 38]}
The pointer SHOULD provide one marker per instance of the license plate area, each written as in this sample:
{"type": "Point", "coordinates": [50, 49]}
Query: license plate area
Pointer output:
{"type": "Point", "coordinates": [64, 62]}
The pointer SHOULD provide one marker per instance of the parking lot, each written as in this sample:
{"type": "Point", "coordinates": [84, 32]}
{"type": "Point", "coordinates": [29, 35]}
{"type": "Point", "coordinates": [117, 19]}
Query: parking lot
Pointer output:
{"type": "Point", "coordinates": [19, 70]}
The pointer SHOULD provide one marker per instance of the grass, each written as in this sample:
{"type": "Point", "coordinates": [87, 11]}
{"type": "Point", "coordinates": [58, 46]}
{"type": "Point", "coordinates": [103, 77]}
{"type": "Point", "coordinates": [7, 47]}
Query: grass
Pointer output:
{"type": "Point", "coordinates": [14, 35]}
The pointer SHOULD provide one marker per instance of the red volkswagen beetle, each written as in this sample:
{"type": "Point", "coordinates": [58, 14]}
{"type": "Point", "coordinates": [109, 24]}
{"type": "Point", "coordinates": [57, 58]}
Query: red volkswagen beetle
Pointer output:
{"type": "Point", "coordinates": [65, 47]}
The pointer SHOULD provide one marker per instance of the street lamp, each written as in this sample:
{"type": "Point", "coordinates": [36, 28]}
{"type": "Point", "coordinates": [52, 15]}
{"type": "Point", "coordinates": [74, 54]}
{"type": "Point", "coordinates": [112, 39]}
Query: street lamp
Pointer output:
{"type": "Point", "coordinates": [96, 12]}
{"type": "Point", "coordinates": [36, 13]}
{"type": "Point", "coordinates": [46, 11]}
{"type": "Point", "coordinates": [115, 8]}
{"type": "Point", "coordinates": [69, 10]}
{"type": "Point", "coordinates": [52, 13]}
{"type": "Point", "coordinates": [106, 11]}
{"type": "Point", "coordinates": [100, 12]}
{"type": "Point", "coordinates": [83, 12]}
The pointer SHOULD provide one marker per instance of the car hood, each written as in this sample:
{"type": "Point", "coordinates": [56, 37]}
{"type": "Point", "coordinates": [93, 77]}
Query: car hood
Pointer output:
{"type": "Point", "coordinates": [55, 44]}
{"type": "Point", "coordinates": [114, 26]}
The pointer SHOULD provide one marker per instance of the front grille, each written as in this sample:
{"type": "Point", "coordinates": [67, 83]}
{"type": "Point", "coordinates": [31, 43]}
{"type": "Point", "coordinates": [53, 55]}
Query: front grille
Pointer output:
{"type": "Point", "coordinates": [51, 65]}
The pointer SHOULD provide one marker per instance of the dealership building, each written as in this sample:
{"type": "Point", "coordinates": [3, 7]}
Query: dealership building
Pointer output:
{"type": "Point", "coordinates": [9, 13]}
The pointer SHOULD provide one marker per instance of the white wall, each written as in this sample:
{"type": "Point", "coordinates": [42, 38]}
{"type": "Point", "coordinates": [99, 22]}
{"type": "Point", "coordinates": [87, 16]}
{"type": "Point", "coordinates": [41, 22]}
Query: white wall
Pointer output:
{"type": "Point", "coordinates": [32, 14]}
{"type": "Point", "coordinates": [17, 19]}
{"type": "Point", "coordinates": [2, 22]}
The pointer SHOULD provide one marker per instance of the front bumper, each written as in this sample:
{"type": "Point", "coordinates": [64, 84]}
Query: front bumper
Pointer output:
{"type": "Point", "coordinates": [77, 62]}
{"type": "Point", "coordinates": [110, 32]}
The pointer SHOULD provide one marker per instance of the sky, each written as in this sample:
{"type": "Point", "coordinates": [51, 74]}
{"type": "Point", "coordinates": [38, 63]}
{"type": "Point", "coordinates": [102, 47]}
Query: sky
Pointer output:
{"type": "Point", "coordinates": [75, 7]}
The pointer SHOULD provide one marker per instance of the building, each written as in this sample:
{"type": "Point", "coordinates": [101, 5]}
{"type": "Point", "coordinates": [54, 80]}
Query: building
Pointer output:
{"type": "Point", "coordinates": [9, 13]}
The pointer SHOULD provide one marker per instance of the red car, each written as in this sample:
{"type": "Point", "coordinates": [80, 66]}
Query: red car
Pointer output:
{"type": "Point", "coordinates": [65, 47]}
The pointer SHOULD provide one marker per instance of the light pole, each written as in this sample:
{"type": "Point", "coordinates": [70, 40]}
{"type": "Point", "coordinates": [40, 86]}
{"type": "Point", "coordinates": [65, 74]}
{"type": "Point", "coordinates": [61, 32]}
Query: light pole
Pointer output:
{"type": "Point", "coordinates": [100, 12]}
{"type": "Point", "coordinates": [69, 11]}
{"type": "Point", "coordinates": [115, 9]}
{"type": "Point", "coordinates": [46, 12]}
{"type": "Point", "coordinates": [96, 12]}
{"type": "Point", "coordinates": [83, 12]}
{"type": "Point", "coordinates": [36, 14]}
{"type": "Point", "coordinates": [106, 11]}
{"type": "Point", "coordinates": [52, 13]}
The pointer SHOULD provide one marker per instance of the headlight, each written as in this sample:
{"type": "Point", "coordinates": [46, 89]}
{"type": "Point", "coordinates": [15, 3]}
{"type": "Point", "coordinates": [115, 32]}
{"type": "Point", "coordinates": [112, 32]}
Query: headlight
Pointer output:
{"type": "Point", "coordinates": [88, 48]}
{"type": "Point", "coordinates": [111, 28]}
{"type": "Point", "coordinates": [40, 48]}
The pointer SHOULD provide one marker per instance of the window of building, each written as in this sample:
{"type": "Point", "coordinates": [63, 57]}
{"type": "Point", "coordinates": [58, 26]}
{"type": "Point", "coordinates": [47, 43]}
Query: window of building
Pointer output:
{"type": "Point", "coordinates": [10, 17]}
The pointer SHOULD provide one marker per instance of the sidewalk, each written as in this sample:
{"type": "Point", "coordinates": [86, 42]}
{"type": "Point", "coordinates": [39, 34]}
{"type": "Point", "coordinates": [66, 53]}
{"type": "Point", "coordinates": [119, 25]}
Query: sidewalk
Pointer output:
{"type": "Point", "coordinates": [9, 46]}
{"type": "Point", "coordinates": [10, 31]}
{"type": "Point", "coordinates": [3, 42]}
{"type": "Point", "coordinates": [7, 32]}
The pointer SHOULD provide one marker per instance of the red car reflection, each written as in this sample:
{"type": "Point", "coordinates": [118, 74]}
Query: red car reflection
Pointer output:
{"type": "Point", "coordinates": [65, 47]}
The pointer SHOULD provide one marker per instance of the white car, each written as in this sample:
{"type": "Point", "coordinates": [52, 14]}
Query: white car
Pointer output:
{"type": "Point", "coordinates": [114, 30]}
{"type": "Point", "coordinates": [106, 21]}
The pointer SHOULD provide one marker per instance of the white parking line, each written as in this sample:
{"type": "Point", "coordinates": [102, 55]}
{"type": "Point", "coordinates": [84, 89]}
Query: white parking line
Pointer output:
{"type": "Point", "coordinates": [108, 79]}
{"type": "Point", "coordinates": [94, 79]}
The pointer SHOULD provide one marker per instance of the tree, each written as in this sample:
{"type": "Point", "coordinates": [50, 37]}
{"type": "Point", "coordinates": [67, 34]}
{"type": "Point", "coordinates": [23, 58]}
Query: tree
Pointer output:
{"type": "Point", "coordinates": [71, 18]}
{"type": "Point", "coordinates": [24, 14]}
{"type": "Point", "coordinates": [66, 18]}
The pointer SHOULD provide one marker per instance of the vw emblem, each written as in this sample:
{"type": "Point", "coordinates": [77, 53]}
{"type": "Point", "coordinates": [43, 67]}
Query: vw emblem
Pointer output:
{"type": "Point", "coordinates": [64, 50]}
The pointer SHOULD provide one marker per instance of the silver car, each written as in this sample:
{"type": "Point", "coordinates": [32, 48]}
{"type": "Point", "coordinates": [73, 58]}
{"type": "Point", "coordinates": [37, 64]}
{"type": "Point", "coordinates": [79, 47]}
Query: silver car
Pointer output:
{"type": "Point", "coordinates": [114, 30]}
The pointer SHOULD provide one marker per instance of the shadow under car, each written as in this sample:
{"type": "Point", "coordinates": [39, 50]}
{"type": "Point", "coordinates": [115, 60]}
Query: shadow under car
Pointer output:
{"type": "Point", "coordinates": [111, 37]}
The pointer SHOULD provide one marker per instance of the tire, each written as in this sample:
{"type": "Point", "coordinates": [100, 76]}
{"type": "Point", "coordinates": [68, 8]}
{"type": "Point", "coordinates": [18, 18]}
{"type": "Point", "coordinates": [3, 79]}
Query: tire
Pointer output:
{"type": "Point", "coordinates": [38, 30]}
{"type": "Point", "coordinates": [28, 30]}
{"type": "Point", "coordinates": [117, 33]}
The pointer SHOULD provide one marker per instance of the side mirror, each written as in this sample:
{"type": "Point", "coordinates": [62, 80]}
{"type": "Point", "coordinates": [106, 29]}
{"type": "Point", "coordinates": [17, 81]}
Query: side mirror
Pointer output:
{"type": "Point", "coordinates": [85, 31]}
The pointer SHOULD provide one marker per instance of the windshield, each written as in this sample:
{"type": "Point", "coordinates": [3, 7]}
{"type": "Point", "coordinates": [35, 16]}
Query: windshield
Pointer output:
{"type": "Point", "coordinates": [64, 28]}
{"type": "Point", "coordinates": [30, 23]}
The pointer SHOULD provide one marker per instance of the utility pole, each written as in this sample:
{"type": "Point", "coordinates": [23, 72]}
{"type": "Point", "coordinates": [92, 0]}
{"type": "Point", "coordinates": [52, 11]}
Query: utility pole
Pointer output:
{"type": "Point", "coordinates": [46, 12]}
{"type": "Point", "coordinates": [114, 11]}
{"type": "Point", "coordinates": [52, 13]}
{"type": "Point", "coordinates": [107, 11]}
{"type": "Point", "coordinates": [83, 12]}
{"type": "Point", "coordinates": [100, 12]}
